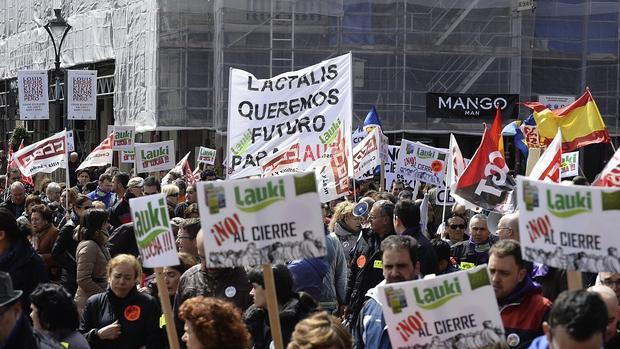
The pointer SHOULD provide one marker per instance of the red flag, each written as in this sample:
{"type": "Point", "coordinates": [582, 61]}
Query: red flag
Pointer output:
{"type": "Point", "coordinates": [25, 179]}
{"type": "Point", "coordinates": [496, 130]}
{"type": "Point", "coordinates": [485, 182]}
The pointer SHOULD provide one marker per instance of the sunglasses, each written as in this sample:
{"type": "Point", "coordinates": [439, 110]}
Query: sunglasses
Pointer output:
{"type": "Point", "coordinates": [457, 226]}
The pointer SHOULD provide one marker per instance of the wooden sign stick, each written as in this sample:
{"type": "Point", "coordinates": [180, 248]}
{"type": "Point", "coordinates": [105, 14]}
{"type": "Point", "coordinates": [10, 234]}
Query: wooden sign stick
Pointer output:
{"type": "Point", "coordinates": [272, 307]}
{"type": "Point", "coordinates": [574, 279]}
{"type": "Point", "coordinates": [164, 298]}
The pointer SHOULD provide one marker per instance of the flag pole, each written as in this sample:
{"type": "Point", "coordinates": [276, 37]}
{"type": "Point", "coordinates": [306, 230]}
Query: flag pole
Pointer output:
{"type": "Point", "coordinates": [67, 175]}
{"type": "Point", "coordinates": [448, 184]}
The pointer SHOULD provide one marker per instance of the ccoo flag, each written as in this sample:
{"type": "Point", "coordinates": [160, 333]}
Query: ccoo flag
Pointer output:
{"type": "Point", "coordinates": [496, 130]}
{"type": "Point", "coordinates": [486, 182]}
{"type": "Point", "coordinates": [581, 122]}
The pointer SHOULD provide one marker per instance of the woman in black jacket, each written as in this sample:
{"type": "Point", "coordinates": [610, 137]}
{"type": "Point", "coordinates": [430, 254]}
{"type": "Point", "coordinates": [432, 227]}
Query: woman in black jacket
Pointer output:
{"type": "Point", "coordinates": [294, 307]}
{"type": "Point", "coordinates": [64, 248]}
{"type": "Point", "coordinates": [121, 317]}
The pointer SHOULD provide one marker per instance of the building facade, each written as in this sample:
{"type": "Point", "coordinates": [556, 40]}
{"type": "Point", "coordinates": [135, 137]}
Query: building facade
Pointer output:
{"type": "Point", "coordinates": [167, 61]}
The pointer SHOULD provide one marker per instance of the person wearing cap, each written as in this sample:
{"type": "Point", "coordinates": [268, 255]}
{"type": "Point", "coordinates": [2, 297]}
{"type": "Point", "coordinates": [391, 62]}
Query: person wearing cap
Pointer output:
{"type": "Point", "coordinates": [120, 213]}
{"type": "Point", "coordinates": [18, 258]}
{"type": "Point", "coordinates": [15, 329]}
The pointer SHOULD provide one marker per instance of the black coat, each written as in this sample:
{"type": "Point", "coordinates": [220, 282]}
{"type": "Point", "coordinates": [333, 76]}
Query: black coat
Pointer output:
{"type": "Point", "coordinates": [138, 315]}
{"type": "Point", "coordinates": [26, 268]}
{"type": "Point", "coordinates": [23, 336]}
{"type": "Point", "coordinates": [293, 311]}
{"type": "Point", "coordinates": [63, 253]}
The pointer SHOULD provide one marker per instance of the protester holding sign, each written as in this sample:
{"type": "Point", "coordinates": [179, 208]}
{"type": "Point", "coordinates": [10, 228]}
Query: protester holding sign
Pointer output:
{"type": "Point", "coordinates": [293, 307]}
{"type": "Point", "coordinates": [121, 317]}
{"type": "Point", "coordinates": [520, 300]}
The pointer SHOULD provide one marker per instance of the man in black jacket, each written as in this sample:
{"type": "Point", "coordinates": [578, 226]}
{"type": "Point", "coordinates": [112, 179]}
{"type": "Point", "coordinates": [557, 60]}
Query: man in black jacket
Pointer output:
{"type": "Point", "coordinates": [407, 222]}
{"type": "Point", "coordinates": [366, 263]}
{"type": "Point", "coordinates": [474, 251]}
{"type": "Point", "coordinates": [19, 259]}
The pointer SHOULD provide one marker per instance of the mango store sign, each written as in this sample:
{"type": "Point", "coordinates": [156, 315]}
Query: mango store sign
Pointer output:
{"type": "Point", "coordinates": [154, 156]}
{"type": "Point", "coordinates": [258, 221]}
{"type": "Point", "coordinates": [456, 310]}
{"type": "Point", "coordinates": [569, 227]}
{"type": "Point", "coordinates": [153, 231]}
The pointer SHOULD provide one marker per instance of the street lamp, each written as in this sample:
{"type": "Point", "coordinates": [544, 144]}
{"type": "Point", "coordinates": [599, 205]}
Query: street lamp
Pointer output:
{"type": "Point", "coordinates": [57, 28]}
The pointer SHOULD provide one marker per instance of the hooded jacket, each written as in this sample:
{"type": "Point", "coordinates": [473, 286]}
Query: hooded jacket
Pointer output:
{"type": "Point", "coordinates": [294, 310]}
{"type": "Point", "coordinates": [63, 253]}
{"type": "Point", "coordinates": [523, 313]}
{"type": "Point", "coordinates": [371, 330]}
{"type": "Point", "coordinates": [137, 313]}
{"type": "Point", "coordinates": [26, 268]}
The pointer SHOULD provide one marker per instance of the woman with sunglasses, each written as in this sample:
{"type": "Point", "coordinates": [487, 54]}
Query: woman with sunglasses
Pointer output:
{"type": "Point", "coordinates": [64, 248]}
{"type": "Point", "coordinates": [454, 231]}
{"type": "Point", "coordinates": [172, 197]}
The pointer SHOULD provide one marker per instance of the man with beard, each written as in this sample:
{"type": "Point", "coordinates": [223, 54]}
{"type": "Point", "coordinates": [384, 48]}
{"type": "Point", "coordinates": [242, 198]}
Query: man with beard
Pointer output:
{"type": "Point", "coordinates": [400, 263]}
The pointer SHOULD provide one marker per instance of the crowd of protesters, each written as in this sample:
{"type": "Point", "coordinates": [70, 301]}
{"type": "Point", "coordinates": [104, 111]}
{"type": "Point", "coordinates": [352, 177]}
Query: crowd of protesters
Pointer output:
{"type": "Point", "coordinates": [71, 274]}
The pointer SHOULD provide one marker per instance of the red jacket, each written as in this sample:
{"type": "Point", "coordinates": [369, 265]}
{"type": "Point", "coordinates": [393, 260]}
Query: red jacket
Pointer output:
{"type": "Point", "coordinates": [523, 320]}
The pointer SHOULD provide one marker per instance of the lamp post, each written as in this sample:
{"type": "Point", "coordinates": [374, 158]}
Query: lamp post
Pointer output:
{"type": "Point", "coordinates": [57, 28]}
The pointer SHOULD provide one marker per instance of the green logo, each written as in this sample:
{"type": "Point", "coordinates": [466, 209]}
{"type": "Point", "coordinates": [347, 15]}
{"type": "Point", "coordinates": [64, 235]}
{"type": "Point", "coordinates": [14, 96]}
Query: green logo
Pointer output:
{"type": "Point", "coordinates": [436, 296]}
{"type": "Point", "coordinates": [151, 222]}
{"type": "Point", "coordinates": [478, 278]}
{"type": "Point", "coordinates": [154, 154]}
{"type": "Point", "coordinates": [568, 205]}
{"type": "Point", "coordinates": [425, 154]}
{"type": "Point", "coordinates": [243, 145]}
{"type": "Point", "coordinates": [305, 184]}
{"type": "Point", "coordinates": [611, 201]}
{"type": "Point", "coordinates": [331, 133]}
{"type": "Point", "coordinates": [256, 199]}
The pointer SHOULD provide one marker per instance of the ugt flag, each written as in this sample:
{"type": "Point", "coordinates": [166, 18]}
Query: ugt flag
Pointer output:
{"type": "Point", "coordinates": [100, 156]}
{"type": "Point", "coordinates": [486, 182]}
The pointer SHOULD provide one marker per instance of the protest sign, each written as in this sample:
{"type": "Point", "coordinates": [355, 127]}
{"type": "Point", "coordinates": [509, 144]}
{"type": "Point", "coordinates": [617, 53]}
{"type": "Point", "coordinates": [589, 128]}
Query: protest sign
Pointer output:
{"type": "Point", "coordinates": [390, 169]}
{"type": "Point", "coordinates": [101, 155]}
{"type": "Point", "coordinates": [153, 231]}
{"type": "Point", "coordinates": [33, 91]}
{"type": "Point", "coordinates": [556, 224]}
{"type": "Point", "coordinates": [367, 154]}
{"type": "Point", "coordinates": [154, 156]}
{"type": "Point", "coordinates": [70, 141]}
{"type": "Point", "coordinates": [570, 164]}
{"type": "Point", "coordinates": [456, 310]}
{"type": "Point", "coordinates": [81, 95]}
{"type": "Point", "coordinates": [310, 106]}
{"type": "Point", "coordinates": [123, 137]}
{"type": "Point", "coordinates": [259, 221]}
{"type": "Point", "coordinates": [422, 162]}
{"type": "Point", "coordinates": [358, 135]}
{"type": "Point", "coordinates": [332, 171]}
{"type": "Point", "coordinates": [610, 175]}
{"type": "Point", "coordinates": [43, 156]}
{"type": "Point", "coordinates": [206, 156]}
{"type": "Point", "coordinates": [128, 156]}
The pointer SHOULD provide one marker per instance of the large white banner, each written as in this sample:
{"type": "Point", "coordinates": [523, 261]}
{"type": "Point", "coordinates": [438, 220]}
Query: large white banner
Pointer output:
{"type": "Point", "coordinates": [123, 137]}
{"type": "Point", "coordinates": [569, 227]}
{"type": "Point", "coordinates": [258, 221]}
{"type": "Point", "coordinates": [456, 310]}
{"type": "Point", "coordinates": [309, 107]}
{"type": "Point", "coordinates": [152, 157]}
{"type": "Point", "coordinates": [101, 155]}
{"type": "Point", "coordinates": [421, 162]}
{"type": "Point", "coordinates": [81, 95]}
{"type": "Point", "coordinates": [43, 156]}
{"type": "Point", "coordinates": [153, 231]}
{"type": "Point", "coordinates": [33, 90]}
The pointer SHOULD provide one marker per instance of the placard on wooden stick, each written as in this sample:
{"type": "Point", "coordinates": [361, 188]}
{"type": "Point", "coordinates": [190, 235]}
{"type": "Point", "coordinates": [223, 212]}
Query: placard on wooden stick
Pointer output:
{"type": "Point", "coordinates": [272, 306]}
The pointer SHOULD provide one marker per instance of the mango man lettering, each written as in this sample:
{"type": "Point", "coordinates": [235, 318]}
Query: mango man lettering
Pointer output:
{"type": "Point", "coordinates": [436, 296]}
{"type": "Point", "coordinates": [255, 199]}
{"type": "Point", "coordinates": [568, 205]}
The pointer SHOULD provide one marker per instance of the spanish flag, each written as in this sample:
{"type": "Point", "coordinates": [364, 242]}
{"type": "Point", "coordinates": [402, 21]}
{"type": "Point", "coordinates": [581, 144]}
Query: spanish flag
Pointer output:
{"type": "Point", "coordinates": [581, 123]}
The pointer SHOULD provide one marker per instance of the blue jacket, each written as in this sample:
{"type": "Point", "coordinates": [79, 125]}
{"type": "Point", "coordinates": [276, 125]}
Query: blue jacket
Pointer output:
{"type": "Point", "coordinates": [107, 198]}
{"type": "Point", "coordinates": [372, 331]}
{"type": "Point", "coordinates": [539, 343]}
